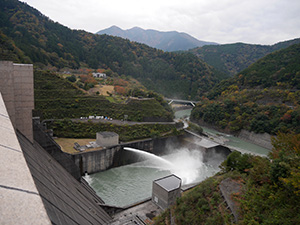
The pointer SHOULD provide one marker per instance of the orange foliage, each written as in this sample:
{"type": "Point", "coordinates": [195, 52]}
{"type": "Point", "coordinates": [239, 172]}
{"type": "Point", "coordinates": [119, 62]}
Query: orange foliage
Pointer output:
{"type": "Point", "coordinates": [100, 70]}
{"type": "Point", "coordinates": [85, 70]}
{"type": "Point", "coordinates": [121, 82]}
{"type": "Point", "coordinates": [88, 79]}
{"type": "Point", "coordinates": [120, 90]}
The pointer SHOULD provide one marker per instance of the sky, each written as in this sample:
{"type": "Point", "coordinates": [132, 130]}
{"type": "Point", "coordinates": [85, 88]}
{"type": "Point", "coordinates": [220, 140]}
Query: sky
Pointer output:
{"type": "Point", "coordinates": [223, 21]}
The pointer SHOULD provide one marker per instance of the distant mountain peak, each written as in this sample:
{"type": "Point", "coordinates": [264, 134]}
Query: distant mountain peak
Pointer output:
{"type": "Point", "coordinates": [165, 40]}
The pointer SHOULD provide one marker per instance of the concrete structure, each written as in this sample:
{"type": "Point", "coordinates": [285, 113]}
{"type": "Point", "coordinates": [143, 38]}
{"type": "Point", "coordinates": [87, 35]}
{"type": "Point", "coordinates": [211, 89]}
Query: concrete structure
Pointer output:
{"type": "Point", "coordinates": [263, 140]}
{"type": "Point", "coordinates": [66, 200]}
{"type": "Point", "coordinates": [107, 139]}
{"type": "Point", "coordinates": [34, 187]}
{"type": "Point", "coordinates": [16, 87]}
{"type": "Point", "coordinates": [228, 187]}
{"type": "Point", "coordinates": [95, 161]}
{"type": "Point", "coordinates": [166, 190]}
{"type": "Point", "coordinates": [20, 201]}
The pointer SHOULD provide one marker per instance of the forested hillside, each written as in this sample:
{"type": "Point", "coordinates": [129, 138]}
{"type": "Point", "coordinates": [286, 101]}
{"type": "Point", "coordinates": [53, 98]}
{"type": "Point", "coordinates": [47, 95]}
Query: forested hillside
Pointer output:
{"type": "Point", "coordinates": [34, 38]}
{"type": "Point", "coordinates": [262, 98]}
{"type": "Point", "coordinates": [233, 58]}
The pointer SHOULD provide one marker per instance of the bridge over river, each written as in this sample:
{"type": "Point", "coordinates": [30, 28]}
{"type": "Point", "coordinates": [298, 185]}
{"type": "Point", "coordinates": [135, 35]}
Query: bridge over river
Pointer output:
{"type": "Point", "coordinates": [181, 101]}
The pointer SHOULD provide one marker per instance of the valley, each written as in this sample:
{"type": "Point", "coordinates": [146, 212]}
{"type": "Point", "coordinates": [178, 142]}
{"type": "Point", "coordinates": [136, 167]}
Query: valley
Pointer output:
{"type": "Point", "coordinates": [86, 83]}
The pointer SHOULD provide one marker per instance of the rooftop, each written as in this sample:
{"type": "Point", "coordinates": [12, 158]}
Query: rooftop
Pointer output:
{"type": "Point", "coordinates": [169, 183]}
{"type": "Point", "coordinates": [206, 143]}
{"type": "Point", "coordinates": [106, 134]}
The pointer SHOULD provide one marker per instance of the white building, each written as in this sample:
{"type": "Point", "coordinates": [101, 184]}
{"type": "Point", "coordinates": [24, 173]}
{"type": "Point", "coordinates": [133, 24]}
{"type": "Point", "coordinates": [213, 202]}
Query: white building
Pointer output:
{"type": "Point", "coordinates": [99, 75]}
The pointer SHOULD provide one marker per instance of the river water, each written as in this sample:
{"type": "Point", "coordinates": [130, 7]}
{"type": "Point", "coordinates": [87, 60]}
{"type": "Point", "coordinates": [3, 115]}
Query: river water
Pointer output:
{"type": "Point", "coordinates": [126, 185]}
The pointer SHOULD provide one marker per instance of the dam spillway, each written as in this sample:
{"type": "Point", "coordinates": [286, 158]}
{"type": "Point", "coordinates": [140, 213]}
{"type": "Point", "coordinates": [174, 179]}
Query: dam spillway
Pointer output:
{"type": "Point", "coordinates": [129, 184]}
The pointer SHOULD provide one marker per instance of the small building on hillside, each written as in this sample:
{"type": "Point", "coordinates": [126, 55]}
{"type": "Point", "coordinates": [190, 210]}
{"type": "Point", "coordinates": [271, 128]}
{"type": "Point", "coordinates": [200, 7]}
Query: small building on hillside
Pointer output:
{"type": "Point", "coordinates": [166, 190]}
{"type": "Point", "coordinates": [99, 75]}
{"type": "Point", "coordinates": [107, 139]}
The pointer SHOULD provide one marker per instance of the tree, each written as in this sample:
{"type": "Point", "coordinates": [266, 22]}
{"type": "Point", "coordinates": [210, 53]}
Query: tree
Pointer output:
{"type": "Point", "coordinates": [285, 169]}
{"type": "Point", "coordinates": [72, 78]}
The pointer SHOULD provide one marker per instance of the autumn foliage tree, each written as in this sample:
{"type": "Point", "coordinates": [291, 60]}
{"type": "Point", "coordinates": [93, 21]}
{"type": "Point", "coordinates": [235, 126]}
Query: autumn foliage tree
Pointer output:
{"type": "Point", "coordinates": [286, 161]}
{"type": "Point", "coordinates": [120, 90]}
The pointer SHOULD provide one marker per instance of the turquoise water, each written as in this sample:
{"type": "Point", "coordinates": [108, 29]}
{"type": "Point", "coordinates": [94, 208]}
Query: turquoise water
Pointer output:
{"type": "Point", "coordinates": [130, 184]}
{"type": "Point", "coordinates": [233, 142]}
{"type": "Point", "coordinates": [183, 113]}
{"type": "Point", "coordinates": [239, 144]}
{"type": "Point", "coordinates": [125, 185]}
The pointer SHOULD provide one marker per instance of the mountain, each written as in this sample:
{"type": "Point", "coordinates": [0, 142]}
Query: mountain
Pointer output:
{"type": "Point", "coordinates": [167, 41]}
{"type": "Point", "coordinates": [233, 58]}
{"type": "Point", "coordinates": [35, 38]}
{"type": "Point", "coordinates": [265, 97]}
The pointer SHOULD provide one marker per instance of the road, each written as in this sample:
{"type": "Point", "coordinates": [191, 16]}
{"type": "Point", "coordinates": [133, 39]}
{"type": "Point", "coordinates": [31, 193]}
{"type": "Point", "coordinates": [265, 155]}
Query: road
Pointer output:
{"type": "Point", "coordinates": [120, 122]}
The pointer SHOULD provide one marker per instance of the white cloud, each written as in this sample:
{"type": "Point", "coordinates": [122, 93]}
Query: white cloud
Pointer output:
{"type": "Point", "coordinates": [226, 21]}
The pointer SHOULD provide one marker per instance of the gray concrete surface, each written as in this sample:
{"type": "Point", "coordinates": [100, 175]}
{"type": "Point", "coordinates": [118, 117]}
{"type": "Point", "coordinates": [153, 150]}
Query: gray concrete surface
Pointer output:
{"type": "Point", "coordinates": [16, 87]}
{"type": "Point", "coordinates": [139, 214]}
{"type": "Point", "coordinates": [20, 202]}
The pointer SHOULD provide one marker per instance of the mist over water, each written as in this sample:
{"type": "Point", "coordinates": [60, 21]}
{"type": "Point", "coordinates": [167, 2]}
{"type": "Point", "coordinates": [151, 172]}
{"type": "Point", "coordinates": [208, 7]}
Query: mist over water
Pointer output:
{"type": "Point", "coordinates": [188, 165]}
{"type": "Point", "coordinates": [129, 184]}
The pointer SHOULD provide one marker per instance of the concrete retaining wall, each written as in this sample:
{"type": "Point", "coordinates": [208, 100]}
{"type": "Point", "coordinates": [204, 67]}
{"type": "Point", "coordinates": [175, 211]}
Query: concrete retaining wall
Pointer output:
{"type": "Point", "coordinates": [100, 160]}
{"type": "Point", "coordinates": [92, 162]}
{"type": "Point", "coordinates": [263, 140]}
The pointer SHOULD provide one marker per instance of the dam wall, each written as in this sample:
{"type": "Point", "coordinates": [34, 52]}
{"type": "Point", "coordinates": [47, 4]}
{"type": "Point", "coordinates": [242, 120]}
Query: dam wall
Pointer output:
{"type": "Point", "coordinates": [114, 156]}
{"type": "Point", "coordinates": [95, 161]}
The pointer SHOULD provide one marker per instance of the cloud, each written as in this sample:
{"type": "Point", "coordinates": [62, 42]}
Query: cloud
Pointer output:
{"type": "Point", "coordinates": [226, 21]}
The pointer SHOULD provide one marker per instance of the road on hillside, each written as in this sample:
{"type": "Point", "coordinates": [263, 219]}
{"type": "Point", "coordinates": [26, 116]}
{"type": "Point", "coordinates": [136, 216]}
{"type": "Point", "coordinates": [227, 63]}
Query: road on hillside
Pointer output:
{"type": "Point", "coordinates": [119, 122]}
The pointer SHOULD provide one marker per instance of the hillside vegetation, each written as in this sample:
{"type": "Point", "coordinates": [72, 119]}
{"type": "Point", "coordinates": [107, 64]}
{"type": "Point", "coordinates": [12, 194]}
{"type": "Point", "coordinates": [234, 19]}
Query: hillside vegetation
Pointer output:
{"type": "Point", "coordinates": [57, 98]}
{"type": "Point", "coordinates": [269, 194]}
{"type": "Point", "coordinates": [262, 98]}
{"type": "Point", "coordinates": [34, 38]}
{"type": "Point", "coordinates": [233, 58]}
{"type": "Point", "coordinates": [69, 129]}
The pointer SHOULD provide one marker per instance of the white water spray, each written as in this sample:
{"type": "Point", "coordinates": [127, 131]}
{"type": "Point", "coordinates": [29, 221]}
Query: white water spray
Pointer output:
{"type": "Point", "coordinates": [188, 165]}
{"type": "Point", "coordinates": [163, 162]}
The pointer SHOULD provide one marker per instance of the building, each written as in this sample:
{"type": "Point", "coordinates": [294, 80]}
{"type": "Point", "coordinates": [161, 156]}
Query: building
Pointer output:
{"type": "Point", "coordinates": [107, 139]}
{"type": "Point", "coordinates": [99, 75]}
{"type": "Point", "coordinates": [166, 190]}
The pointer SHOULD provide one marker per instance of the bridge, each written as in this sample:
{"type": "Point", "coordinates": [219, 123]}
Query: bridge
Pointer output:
{"type": "Point", "coordinates": [180, 101]}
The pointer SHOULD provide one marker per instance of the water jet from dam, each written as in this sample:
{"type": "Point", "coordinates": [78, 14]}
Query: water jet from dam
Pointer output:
{"type": "Point", "coordinates": [162, 162]}
{"type": "Point", "coordinates": [125, 185]}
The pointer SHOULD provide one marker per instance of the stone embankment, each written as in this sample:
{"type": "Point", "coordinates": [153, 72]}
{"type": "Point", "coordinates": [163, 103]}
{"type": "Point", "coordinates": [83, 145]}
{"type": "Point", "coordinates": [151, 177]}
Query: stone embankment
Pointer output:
{"type": "Point", "coordinates": [263, 140]}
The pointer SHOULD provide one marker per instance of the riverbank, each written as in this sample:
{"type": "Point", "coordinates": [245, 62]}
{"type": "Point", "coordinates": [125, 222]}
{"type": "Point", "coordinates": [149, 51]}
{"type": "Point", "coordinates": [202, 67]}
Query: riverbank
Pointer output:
{"type": "Point", "coordinates": [262, 140]}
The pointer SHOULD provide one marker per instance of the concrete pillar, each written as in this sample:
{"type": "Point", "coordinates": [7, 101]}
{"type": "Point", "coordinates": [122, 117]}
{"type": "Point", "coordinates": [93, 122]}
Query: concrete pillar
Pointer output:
{"type": "Point", "coordinates": [17, 90]}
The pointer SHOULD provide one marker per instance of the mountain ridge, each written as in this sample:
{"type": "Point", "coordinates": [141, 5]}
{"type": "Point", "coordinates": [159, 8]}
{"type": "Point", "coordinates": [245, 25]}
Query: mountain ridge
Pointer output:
{"type": "Point", "coordinates": [164, 40]}
{"type": "Point", "coordinates": [233, 58]}
{"type": "Point", "coordinates": [264, 98]}
{"type": "Point", "coordinates": [30, 37]}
